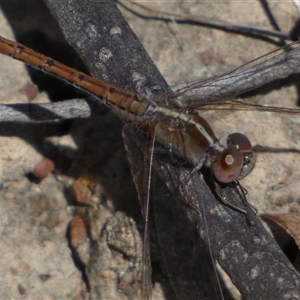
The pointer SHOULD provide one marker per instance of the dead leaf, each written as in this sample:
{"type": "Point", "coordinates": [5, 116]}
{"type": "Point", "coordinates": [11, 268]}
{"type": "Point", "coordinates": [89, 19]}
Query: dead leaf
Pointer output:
{"type": "Point", "coordinates": [290, 222]}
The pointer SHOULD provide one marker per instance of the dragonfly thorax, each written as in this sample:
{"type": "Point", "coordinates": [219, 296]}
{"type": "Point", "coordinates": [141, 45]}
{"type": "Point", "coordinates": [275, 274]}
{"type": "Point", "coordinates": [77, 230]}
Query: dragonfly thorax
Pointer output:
{"type": "Point", "coordinates": [189, 135]}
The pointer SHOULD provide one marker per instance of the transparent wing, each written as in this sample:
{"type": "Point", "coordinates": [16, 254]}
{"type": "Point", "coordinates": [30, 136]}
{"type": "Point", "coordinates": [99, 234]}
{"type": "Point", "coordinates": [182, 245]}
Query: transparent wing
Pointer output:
{"type": "Point", "coordinates": [187, 259]}
{"type": "Point", "coordinates": [275, 65]}
{"type": "Point", "coordinates": [137, 149]}
{"type": "Point", "coordinates": [244, 106]}
{"type": "Point", "coordinates": [187, 256]}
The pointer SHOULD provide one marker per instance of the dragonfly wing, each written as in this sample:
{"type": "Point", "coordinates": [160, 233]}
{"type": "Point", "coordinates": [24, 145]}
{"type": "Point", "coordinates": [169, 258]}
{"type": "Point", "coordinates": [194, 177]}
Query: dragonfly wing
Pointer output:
{"type": "Point", "coordinates": [187, 256]}
{"type": "Point", "coordinates": [139, 163]}
{"type": "Point", "coordinates": [275, 65]}
{"type": "Point", "coordinates": [188, 261]}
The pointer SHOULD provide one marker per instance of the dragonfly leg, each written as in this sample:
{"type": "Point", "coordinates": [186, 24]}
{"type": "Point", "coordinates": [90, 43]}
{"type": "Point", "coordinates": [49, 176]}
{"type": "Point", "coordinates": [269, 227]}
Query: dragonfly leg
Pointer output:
{"type": "Point", "coordinates": [190, 203]}
{"type": "Point", "coordinates": [225, 201]}
{"type": "Point", "coordinates": [244, 192]}
{"type": "Point", "coordinates": [186, 180]}
{"type": "Point", "coordinates": [188, 177]}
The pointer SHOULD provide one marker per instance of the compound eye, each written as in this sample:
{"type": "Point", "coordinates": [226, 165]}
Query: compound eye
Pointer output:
{"type": "Point", "coordinates": [227, 165]}
{"type": "Point", "coordinates": [239, 141]}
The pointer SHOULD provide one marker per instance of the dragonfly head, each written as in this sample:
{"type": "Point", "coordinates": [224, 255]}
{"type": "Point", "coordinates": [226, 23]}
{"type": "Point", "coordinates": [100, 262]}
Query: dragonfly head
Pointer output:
{"type": "Point", "coordinates": [236, 161]}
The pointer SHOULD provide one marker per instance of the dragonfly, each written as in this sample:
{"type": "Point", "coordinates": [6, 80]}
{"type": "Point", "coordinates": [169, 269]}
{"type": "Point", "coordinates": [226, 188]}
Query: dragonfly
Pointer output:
{"type": "Point", "coordinates": [187, 134]}
{"type": "Point", "coordinates": [178, 98]}
{"type": "Point", "coordinates": [174, 120]}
